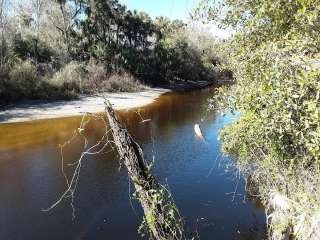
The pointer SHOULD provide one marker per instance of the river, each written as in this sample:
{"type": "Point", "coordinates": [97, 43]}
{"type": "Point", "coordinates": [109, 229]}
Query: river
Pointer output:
{"type": "Point", "coordinates": [204, 184]}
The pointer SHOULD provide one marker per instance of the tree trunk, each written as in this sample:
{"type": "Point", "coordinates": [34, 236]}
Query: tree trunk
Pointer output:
{"type": "Point", "coordinates": [65, 26]}
{"type": "Point", "coordinates": [145, 184]}
{"type": "Point", "coordinates": [2, 50]}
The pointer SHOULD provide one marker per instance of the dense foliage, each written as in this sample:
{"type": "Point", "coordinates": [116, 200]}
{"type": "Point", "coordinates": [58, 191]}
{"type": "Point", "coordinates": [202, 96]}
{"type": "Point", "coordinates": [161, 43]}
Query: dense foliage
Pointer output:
{"type": "Point", "coordinates": [53, 34]}
{"type": "Point", "coordinates": [274, 58]}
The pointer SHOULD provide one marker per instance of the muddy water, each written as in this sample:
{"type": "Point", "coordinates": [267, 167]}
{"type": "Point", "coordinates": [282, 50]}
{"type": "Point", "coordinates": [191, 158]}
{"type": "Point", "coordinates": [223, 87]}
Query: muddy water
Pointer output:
{"type": "Point", "coordinates": [210, 197]}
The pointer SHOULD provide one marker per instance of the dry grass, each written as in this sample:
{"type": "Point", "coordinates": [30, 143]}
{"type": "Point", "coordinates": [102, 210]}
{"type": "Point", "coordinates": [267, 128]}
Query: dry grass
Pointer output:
{"type": "Point", "coordinates": [122, 83]}
{"type": "Point", "coordinates": [21, 80]}
{"type": "Point", "coordinates": [94, 78]}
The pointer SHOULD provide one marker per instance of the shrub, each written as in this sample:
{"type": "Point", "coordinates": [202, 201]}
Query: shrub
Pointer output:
{"type": "Point", "coordinates": [70, 78]}
{"type": "Point", "coordinates": [274, 59]}
{"type": "Point", "coordinates": [52, 91]}
{"type": "Point", "coordinates": [4, 85]}
{"type": "Point", "coordinates": [31, 47]}
{"type": "Point", "coordinates": [121, 83]}
{"type": "Point", "coordinates": [96, 74]}
{"type": "Point", "coordinates": [23, 80]}
{"type": "Point", "coordinates": [20, 80]}
{"type": "Point", "coordinates": [76, 78]}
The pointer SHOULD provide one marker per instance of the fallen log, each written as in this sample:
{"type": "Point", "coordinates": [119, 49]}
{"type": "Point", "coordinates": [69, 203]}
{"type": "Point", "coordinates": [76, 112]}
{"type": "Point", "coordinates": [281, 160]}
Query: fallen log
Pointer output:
{"type": "Point", "coordinates": [161, 216]}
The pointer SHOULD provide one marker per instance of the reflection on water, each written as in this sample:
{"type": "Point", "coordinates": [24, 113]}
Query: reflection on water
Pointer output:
{"type": "Point", "coordinates": [31, 179]}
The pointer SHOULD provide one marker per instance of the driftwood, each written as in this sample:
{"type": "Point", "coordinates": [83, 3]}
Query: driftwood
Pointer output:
{"type": "Point", "coordinates": [161, 216]}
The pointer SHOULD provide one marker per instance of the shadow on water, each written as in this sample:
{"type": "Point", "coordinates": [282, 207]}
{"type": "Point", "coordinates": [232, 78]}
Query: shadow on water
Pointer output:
{"type": "Point", "coordinates": [31, 179]}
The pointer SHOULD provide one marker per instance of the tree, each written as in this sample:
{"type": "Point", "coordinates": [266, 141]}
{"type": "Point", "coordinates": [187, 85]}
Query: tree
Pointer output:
{"type": "Point", "coordinates": [273, 58]}
{"type": "Point", "coordinates": [70, 11]}
{"type": "Point", "coordinates": [3, 23]}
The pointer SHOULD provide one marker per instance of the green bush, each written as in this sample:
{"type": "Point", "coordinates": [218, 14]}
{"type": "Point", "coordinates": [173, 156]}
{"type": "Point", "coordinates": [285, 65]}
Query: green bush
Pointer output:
{"type": "Point", "coordinates": [30, 47]}
{"type": "Point", "coordinates": [276, 139]}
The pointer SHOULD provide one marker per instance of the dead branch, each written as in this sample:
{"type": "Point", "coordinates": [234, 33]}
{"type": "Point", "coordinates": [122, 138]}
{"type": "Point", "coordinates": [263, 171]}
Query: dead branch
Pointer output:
{"type": "Point", "coordinates": [161, 215]}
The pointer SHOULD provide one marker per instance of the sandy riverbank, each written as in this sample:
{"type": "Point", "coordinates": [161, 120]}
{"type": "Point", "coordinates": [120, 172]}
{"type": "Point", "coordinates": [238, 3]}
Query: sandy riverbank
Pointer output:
{"type": "Point", "coordinates": [34, 110]}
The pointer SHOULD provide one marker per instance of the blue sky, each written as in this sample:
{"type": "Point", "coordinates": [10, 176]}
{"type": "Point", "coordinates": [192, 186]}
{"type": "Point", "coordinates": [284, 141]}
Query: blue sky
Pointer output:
{"type": "Point", "coordinates": [173, 9]}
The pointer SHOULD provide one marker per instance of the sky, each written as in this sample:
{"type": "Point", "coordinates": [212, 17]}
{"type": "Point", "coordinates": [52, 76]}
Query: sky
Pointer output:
{"type": "Point", "coordinates": [173, 9]}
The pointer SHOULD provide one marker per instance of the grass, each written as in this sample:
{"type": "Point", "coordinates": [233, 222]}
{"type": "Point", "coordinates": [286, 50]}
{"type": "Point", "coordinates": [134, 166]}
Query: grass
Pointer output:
{"type": "Point", "coordinates": [21, 80]}
{"type": "Point", "coordinates": [94, 78]}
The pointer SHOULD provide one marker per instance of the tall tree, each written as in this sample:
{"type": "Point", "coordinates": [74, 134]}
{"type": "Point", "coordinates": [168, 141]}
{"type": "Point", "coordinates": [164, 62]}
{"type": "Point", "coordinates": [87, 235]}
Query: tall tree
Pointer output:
{"type": "Point", "coordinates": [3, 42]}
{"type": "Point", "coordinates": [70, 11]}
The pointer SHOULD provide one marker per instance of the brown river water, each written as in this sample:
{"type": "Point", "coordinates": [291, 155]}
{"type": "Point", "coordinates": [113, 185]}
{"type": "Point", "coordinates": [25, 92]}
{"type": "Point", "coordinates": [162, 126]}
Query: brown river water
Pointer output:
{"type": "Point", "coordinates": [211, 198]}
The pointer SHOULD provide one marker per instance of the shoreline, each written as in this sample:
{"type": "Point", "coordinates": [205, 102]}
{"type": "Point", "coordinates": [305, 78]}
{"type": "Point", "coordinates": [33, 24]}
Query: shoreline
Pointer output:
{"type": "Point", "coordinates": [36, 110]}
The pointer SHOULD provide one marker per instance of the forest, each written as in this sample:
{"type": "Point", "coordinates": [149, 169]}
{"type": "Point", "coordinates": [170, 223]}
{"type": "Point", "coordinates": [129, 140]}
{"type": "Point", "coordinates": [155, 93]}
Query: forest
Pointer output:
{"type": "Point", "coordinates": [60, 49]}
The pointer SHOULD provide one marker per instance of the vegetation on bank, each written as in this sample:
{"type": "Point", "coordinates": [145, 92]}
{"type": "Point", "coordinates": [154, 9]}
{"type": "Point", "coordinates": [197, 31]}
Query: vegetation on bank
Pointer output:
{"type": "Point", "coordinates": [59, 49]}
{"type": "Point", "coordinates": [273, 57]}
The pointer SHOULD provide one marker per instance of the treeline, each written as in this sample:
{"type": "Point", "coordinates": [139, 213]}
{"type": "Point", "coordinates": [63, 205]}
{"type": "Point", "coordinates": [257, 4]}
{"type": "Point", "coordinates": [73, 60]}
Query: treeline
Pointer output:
{"type": "Point", "coordinates": [60, 48]}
